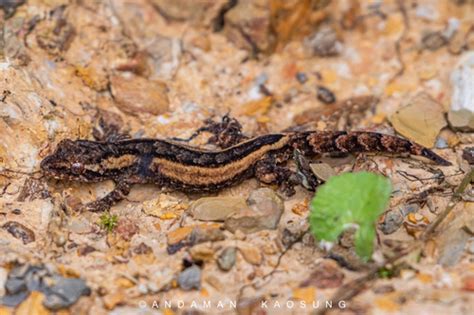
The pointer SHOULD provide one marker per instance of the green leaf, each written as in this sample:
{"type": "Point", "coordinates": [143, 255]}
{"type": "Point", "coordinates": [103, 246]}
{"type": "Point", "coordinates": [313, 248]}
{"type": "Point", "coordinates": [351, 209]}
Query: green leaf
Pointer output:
{"type": "Point", "coordinates": [350, 199]}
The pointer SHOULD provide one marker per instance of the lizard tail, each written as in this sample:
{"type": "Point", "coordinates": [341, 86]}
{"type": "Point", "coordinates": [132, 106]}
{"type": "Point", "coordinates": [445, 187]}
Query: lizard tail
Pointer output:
{"type": "Point", "coordinates": [353, 142]}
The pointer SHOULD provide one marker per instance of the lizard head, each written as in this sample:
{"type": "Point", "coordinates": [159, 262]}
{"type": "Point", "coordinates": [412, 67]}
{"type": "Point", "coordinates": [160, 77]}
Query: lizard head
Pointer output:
{"type": "Point", "coordinates": [73, 160]}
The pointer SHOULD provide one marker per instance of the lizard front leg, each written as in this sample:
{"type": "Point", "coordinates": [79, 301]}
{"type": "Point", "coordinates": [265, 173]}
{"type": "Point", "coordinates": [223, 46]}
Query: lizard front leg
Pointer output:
{"type": "Point", "coordinates": [121, 190]}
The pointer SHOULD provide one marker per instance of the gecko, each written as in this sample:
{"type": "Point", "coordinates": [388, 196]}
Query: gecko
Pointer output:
{"type": "Point", "coordinates": [172, 164]}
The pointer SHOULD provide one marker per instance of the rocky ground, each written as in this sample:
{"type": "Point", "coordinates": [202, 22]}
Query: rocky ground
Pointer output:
{"type": "Point", "coordinates": [153, 68]}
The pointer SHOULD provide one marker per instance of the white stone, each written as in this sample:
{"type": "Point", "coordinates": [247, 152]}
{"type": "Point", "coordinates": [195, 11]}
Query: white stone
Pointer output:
{"type": "Point", "coordinates": [461, 114]}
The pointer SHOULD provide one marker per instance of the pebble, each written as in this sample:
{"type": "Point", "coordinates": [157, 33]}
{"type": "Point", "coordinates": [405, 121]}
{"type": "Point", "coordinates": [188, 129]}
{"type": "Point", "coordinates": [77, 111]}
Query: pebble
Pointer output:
{"type": "Point", "coordinates": [192, 235]}
{"type": "Point", "coordinates": [79, 225]}
{"type": "Point", "coordinates": [324, 42]}
{"type": "Point", "coordinates": [137, 95]}
{"type": "Point", "coordinates": [327, 274]}
{"type": "Point", "coordinates": [19, 231]}
{"type": "Point", "coordinates": [325, 95]}
{"type": "Point", "coordinates": [126, 228]}
{"type": "Point", "coordinates": [202, 252]}
{"type": "Point", "coordinates": [165, 207]}
{"type": "Point", "coordinates": [142, 249]}
{"type": "Point", "coordinates": [441, 143]}
{"type": "Point", "coordinates": [60, 292]}
{"type": "Point", "coordinates": [433, 40]}
{"type": "Point", "coordinates": [452, 243]}
{"type": "Point", "coordinates": [420, 120]}
{"type": "Point", "coordinates": [264, 211]}
{"type": "Point", "coordinates": [200, 235]}
{"type": "Point", "coordinates": [251, 254]}
{"type": "Point", "coordinates": [301, 77]}
{"type": "Point", "coordinates": [65, 292]}
{"type": "Point", "coordinates": [217, 208]}
{"type": "Point", "coordinates": [226, 259]}
{"type": "Point", "coordinates": [113, 299]}
{"type": "Point", "coordinates": [190, 278]}
{"type": "Point", "coordinates": [293, 231]}
{"type": "Point", "coordinates": [391, 222]}
{"type": "Point", "coordinates": [468, 154]}
{"type": "Point", "coordinates": [461, 113]}
{"type": "Point", "coordinates": [322, 171]}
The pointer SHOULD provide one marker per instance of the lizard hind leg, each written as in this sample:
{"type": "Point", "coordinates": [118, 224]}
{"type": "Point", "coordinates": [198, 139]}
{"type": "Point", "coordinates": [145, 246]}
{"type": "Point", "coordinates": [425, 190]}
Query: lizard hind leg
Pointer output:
{"type": "Point", "coordinates": [271, 170]}
{"type": "Point", "coordinates": [224, 134]}
{"type": "Point", "coordinates": [121, 190]}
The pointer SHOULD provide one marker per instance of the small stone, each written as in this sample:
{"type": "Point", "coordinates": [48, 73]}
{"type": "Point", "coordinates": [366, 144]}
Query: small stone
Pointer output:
{"type": "Point", "coordinates": [79, 225]}
{"type": "Point", "coordinates": [126, 229]}
{"type": "Point", "coordinates": [55, 34]}
{"type": "Point", "coordinates": [468, 155]}
{"type": "Point", "coordinates": [201, 234]}
{"type": "Point", "coordinates": [264, 212]}
{"type": "Point", "coordinates": [142, 249]}
{"type": "Point", "coordinates": [19, 231]}
{"type": "Point", "coordinates": [65, 292]}
{"type": "Point", "coordinates": [214, 281]}
{"type": "Point", "coordinates": [433, 40]}
{"type": "Point", "coordinates": [322, 171]}
{"type": "Point", "coordinates": [9, 7]}
{"type": "Point", "coordinates": [420, 120]}
{"type": "Point", "coordinates": [461, 114]}
{"type": "Point", "coordinates": [251, 254]}
{"type": "Point", "coordinates": [202, 252]}
{"type": "Point", "coordinates": [324, 42]}
{"type": "Point", "coordinates": [326, 275]}
{"type": "Point", "coordinates": [301, 77]}
{"type": "Point", "coordinates": [452, 242]}
{"type": "Point", "coordinates": [85, 250]}
{"type": "Point", "coordinates": [113, 299]}
{"type": "Point", "coordinates": [226, 259]}
{"type": "Point", "coordinates": [382, 289]}
{"type": "Point", "coordinates": [325, 95]}
{"type": "Point", "coordinates": [441, 144]}
{"type": "Point", "coordinates": [217, 208]}
{"type": "Point", "coordinates": [142, 288]}
{"type": "Point", "coordinates": [300, 208]}
{"type": "Point", "coordinates": [137, 95]}
{"type": "Point", "coordinates": [391, 222]}
{"type": "Point", "coordinates": [163, 206]}
{"type": "Point", "coordinates": [192, 235]}
{"type": "Point", "coordinates": [179, 234]}
{"type": "Point", "coordinates": [190, 278]}
{"type": "Point", "coordinates": [293, 231]}
{"type": "Point", "coordinates": [247, 25]}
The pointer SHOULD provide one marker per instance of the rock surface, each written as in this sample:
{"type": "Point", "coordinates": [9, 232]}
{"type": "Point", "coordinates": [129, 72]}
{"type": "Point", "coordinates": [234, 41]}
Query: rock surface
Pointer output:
{"type": "Point", "coordinates": [264, 212]}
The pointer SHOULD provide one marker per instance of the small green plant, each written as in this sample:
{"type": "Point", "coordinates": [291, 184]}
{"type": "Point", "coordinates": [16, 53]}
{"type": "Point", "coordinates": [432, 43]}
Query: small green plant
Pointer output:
{"type": "Point", "coordinates": [386, 273]}
{"type": "Point", "coordinates": [350, 200]}
{"type": "Point", "coordinates": [108, 222]}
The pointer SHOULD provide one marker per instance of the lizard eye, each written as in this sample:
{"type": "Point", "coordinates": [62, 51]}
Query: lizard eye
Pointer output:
{"type": "Point", "coordinates": [77, 168]}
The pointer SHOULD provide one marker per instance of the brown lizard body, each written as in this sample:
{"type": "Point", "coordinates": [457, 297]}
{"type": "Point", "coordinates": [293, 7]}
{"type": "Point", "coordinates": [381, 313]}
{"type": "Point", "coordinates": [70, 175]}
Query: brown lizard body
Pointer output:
{"type": "Point", "coordinates": [182, 167]}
